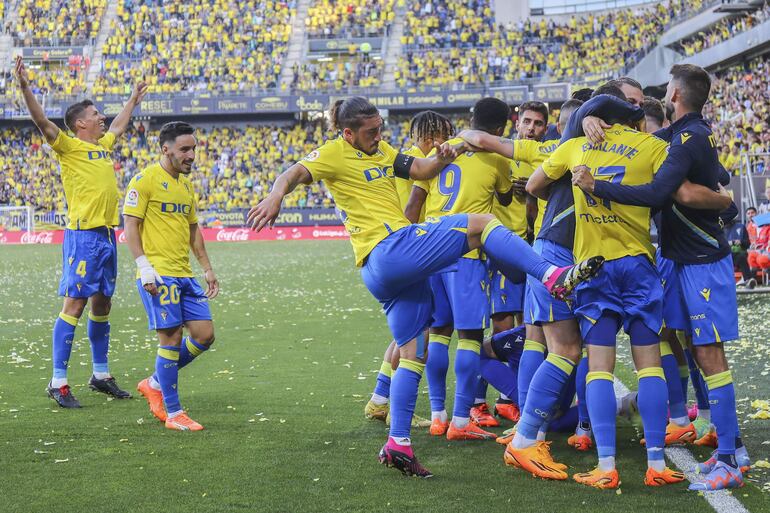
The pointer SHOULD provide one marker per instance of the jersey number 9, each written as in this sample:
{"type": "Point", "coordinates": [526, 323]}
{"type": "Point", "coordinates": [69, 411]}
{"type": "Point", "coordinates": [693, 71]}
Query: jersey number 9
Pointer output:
{"type": "Point", "coordinates": [449, 185]}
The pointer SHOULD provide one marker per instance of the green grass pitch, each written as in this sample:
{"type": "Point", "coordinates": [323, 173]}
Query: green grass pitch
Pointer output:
{"type": "Point", "coordinates": [281, 394]}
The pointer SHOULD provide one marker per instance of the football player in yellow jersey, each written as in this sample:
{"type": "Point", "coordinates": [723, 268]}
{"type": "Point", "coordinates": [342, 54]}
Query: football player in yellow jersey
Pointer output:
{"type": "Point", "coordinates": [161, 228]}
{"type": "Point", "coordinates": [627, 293]}
{"type": "Point", "coordinates": [89, 263]}
{"type": "Point", "coordinates": [461, 298]}
{"type": "Point", "coordinates": [396, 257]}
{"type": "Point", "coordinates": [425, 130]}
{"type": "Point", "coordinates": [544, 318]}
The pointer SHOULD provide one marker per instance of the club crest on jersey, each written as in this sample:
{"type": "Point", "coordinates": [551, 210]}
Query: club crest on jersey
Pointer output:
{"type": "Point", "coordinates": [79, 286]}
{"type": "Point", "coordinates": [163, 314]}
{"type": "Point", "coordinates": [706, 293]}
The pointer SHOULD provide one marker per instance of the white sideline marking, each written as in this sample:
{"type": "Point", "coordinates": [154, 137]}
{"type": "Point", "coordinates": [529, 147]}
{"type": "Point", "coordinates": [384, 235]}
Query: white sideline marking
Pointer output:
{"type": "Point", "coordinates": [722, 500]}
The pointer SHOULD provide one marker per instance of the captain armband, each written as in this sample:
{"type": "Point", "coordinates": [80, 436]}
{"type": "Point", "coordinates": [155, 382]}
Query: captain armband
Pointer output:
{"type": "Point", "coordinates": [402, 165]}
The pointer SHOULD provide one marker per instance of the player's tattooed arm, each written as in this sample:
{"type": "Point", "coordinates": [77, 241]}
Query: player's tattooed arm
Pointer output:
{"type": "Point", "coordinates": [199, 250]}
{"type": "Point", "coordinates": [268, 209]}
{"type": "Point", "coordinates": [120, 123]}
{"type": "Point", "coordinates": [488, 142]}
{"type": "Point", "coordinates": [47, 127]}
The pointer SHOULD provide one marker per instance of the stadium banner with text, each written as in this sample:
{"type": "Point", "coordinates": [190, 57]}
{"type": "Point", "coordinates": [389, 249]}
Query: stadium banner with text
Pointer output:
{"type": "Point", "coordinates": [287, 217]}
{"type": "Point", "coordinates": [209, 235]}
{"type": "Point", "coordinates": [166, 105]}
{"type": "Point", "coordinates": [343, 45]}
{"type": "Point", "coordinates": [55, 53]}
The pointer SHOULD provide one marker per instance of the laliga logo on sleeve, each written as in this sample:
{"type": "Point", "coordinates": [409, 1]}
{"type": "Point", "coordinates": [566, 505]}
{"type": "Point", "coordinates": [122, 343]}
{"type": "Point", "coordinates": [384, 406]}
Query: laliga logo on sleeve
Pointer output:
{"type": "Point", "coordinates": [132, 198]}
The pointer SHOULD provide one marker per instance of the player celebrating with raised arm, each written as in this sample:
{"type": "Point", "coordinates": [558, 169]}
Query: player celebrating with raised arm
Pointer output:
{"type": "Point", "coordinates": [695, 241]}
{"type": "Point", "coordinates": [89, 252]}
{"type": "Point", "coordinates": [397, 257]}
{"type": "Point", "coordinates": [161, 228]}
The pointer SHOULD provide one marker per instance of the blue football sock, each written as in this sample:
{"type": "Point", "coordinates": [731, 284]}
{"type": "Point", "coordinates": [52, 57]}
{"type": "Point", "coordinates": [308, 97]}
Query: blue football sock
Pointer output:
{"type": "Point", "coordinates": [481, 390]}
{"type": "Point", "coordinates": [403, 396]}
{"type": "Point", "coordinates": [531, 358]}
{"type": "Point", "coordinates": [721, 393]}
{"type": "Point", "coordinates": [676, 405]}
{"type": "Point", "coordinates": [63, 333]}
{"type": "Point", "coordinates": [466, 370]}
{"type": "Point", "coordinates": [545, 390]}
{"type": "Point", "coordinates": [580, 389]}
{"type": "Point", "coordinates": [436, 369]}
{"type": "Point", "coordinates": [382, 388]}
{"type": "Point", "coordinates": [701, 393]}
{"type": "Point", "coordinates": [188, 351]}
{"type": "Point", "coordinates": [601, 409]}
{"type": "Point", "coordinates": [684, 378]}
{"type": "Point", "coordinates": [167, 374]}
{"type": "Point", "coordinates": [99, 334]}
{"type": "Point", "coordinates": [567, 393]}
{"type": "Point", "coordinates": [498, 375]}
{"type": "Point", "coordinates": [565, 423]}
{"type": "Point", "coordinates": [511, 254]}
{"type": "Point", "coordinates": [651, 401]}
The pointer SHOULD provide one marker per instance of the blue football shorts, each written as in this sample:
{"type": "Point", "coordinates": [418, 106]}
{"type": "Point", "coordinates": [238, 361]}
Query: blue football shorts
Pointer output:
{"type": "Point", "coordinates": [539, 305]}
{"type": "Point", "coordinates": [179, 300]}
{"type": "Point", "coordinates": [461, 298]}
{"type": "Point", "coordinates": [89, 263]}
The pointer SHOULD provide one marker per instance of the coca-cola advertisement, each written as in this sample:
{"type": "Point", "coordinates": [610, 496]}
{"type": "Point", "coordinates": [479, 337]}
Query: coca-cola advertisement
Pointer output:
{"type": "Point", "coordinates": [209, 235]}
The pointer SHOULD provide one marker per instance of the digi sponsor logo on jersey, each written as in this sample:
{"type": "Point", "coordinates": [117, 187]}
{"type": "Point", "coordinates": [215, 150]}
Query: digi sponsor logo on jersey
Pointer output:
{"type": "Point", "coordinates": [175, 208]}
{"type": "Point", "coordinates": [373, 173]}
{"type": "Point", "coordinates": [99, 155]}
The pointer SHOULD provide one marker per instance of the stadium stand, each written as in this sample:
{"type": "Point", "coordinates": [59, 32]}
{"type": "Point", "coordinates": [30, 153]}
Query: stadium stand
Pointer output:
{"type": "Point", "coordinates": [232, 46]}
{"type": "Point", "coordinates": [740, 110]}
{"type": "Point", "coordinates": [458, 43]}
{"type": "Point", "coordinates": [353, 18]}
{"type": "Point", "coordinates": [338, 74]}
{"type": "Point", "coordinates": [75, 22]}
{"type": "Point", "coordinates": [233, 165]}
{"type": "Point", "coordinates": [722, 31]}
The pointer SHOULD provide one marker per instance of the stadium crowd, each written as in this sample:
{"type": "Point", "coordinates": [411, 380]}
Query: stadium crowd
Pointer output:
{"type": "Point", "coordinates": [338, 75]}
{"type": "Point", "coordinates": [232, 165]}
{"type": "Point", "coordinates": [58, 22]}
{"type": "Point", "coordinates": [232, 46]}
{"type": "Point", "coordinates": [722, 31]}
{"type": "Point", "coordinates": [353, 18]}
{"type": "Point", "coordinates": [452, 43]}
{"type": "Point", "coordinates": [740, 111]}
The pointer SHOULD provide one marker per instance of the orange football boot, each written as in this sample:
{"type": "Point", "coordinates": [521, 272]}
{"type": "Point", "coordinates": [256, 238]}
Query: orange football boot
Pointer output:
{"type": "Point", "coordinates": [438, 428]}
{"type": "Point", "coordinates": [481, 417]}
{"type": "Point", "coordinates": [154, 399]}
{"type": "Point", "coordinates": [599, 479]}
{"type": "Point", "coordinates": [668, 476]}
{"type": "Point", "coordinates": [536, 460]}
{"type": "Point", "coordinates": [580, 442]}
{"type": "Point", "coordinates": [508, 411]}
{"type": "Point", "coordinates": [182, 422]}
{"type": "Point", "coordinates": [469, 432]}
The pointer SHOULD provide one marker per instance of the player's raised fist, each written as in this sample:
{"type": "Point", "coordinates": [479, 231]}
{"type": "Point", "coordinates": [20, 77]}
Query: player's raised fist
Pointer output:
{"type": "Point", "coordinates": [582, 177]}
{"type": "Point", "coordinates": [21, 72]}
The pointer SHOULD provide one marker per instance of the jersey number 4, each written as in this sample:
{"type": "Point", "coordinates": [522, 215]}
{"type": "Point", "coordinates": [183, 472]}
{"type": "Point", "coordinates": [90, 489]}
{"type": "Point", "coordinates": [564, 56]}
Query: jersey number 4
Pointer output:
{"type": "Point", "coordinates": [449, 185]}
{"type": "Point", "coordinates": [614, 174]}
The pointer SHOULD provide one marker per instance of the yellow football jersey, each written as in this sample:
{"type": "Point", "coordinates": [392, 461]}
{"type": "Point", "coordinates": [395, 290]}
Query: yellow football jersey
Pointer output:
{"type": "Point", "coordinates": [88, 176]}
{"type": "Point", "coordinates": [527, 156]}
{"type": "Point", "coordinates": [364, 190]}
{"type": "Point", "coordinates": [626, 157]}
{"type": "Point", "coordinates": [404, 187]}
{"type": "Point", "coordinates": [167, 208]}
{"type": "Point", "coordinates": [467, 185]}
